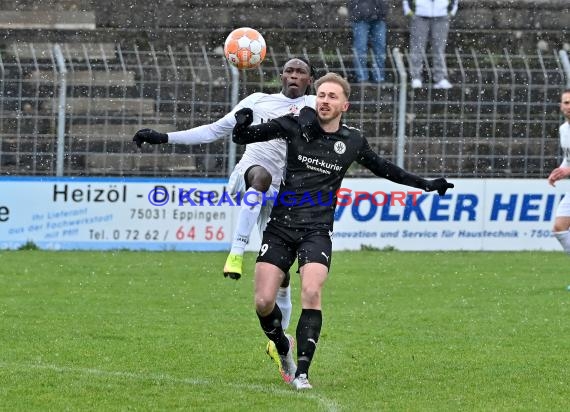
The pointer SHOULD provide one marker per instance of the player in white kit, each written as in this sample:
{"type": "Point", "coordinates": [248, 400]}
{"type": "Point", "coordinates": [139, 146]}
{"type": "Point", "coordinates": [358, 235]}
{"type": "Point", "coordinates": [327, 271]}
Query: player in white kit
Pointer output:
{"type": "Point", "coordinates": [261, 167]}
{"type": "Point", "coordinates": [562, 222]}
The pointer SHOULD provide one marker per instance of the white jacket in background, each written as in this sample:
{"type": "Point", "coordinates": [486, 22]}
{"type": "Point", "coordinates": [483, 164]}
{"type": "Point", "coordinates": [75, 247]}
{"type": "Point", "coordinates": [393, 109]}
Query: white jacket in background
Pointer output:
{"type": "Point", "coordinates": [430, 8]}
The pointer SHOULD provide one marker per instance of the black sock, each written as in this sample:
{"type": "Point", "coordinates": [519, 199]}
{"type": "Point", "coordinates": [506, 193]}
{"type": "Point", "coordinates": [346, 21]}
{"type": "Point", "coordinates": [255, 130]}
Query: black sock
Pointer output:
{"type": "Point", "coordinates": [271, 325]}
{"type": "Point", "coordinates": [286, 280]}
{"type": "Point", "coordinates": [308, 331]}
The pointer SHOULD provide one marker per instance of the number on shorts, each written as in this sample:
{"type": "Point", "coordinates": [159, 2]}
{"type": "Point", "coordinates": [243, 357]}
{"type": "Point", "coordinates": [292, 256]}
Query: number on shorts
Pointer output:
{"type": "Point", "coordinates": [263, 249]}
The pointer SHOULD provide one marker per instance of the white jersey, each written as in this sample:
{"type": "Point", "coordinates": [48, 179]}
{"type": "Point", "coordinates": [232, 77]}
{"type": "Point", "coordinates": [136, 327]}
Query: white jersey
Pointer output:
{"type": "Point", "coordinates": [271, 154]}
{"type": "Point", "coordinates": [565, 143]}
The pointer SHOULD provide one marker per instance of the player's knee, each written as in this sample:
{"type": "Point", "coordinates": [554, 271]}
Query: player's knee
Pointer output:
{"type": "Point", "coordinates": [260, 179]}
{"type": "Point", "coordinates": [311, 296]}
{"type": "Point", "coordinates": [262, 186]}
{"type": "Point", "coordinates": [263, 305]}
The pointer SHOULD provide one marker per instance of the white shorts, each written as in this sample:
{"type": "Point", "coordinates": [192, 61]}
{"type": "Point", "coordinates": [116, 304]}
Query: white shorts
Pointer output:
{"type": "Point", "coordinates": [236, 184]}
{"type": "Point", "coordinates": [563, 209]}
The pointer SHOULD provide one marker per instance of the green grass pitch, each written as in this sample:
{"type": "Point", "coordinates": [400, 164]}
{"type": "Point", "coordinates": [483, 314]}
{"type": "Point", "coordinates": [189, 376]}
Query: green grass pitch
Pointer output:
{"type": "Point", "coordinates": [149, 331]}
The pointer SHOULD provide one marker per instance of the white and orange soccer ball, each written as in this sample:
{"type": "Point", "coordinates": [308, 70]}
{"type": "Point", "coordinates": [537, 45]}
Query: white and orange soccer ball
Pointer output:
{"type": "Point", "coordinates": [245, 48]}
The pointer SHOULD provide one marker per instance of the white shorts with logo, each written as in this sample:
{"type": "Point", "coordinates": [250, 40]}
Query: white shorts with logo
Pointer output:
{"type": "Point", "coordinates": [563, 209]}
{"type": "Point", "coordinates": [237, 184]}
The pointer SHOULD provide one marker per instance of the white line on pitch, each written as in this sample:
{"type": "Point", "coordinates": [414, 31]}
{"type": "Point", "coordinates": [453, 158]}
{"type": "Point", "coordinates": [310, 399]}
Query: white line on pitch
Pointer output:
{"type": "Point", "coordinates": [327, 404]}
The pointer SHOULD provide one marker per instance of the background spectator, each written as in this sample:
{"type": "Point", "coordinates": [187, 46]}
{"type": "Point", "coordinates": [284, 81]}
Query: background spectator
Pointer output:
{"type": "Point", "coordinates": [368, 25]}
{"type": "Point", "coordinates": [429, 18]}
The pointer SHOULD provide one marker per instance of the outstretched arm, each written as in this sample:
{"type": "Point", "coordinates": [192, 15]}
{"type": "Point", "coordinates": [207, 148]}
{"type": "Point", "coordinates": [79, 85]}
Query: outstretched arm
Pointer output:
{"type": "Point", "coordinates": [388, 170]}
{"type": "Point", "coordinates": [207, 133]}
{"type": "Point", "coordinates": [244, 133]}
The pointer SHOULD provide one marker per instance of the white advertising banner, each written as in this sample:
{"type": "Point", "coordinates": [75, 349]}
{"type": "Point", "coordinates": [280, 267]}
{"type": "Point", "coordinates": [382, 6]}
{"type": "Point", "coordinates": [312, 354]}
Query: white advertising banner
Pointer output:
{"type": "Point", "coordinates": [478, 214]}
{"type": "Point", "coordinates": [110, 213]}
{"type": "Point", "coordinates": [198, 214]}
{"type": "Point", "coordinates": [490, 214]}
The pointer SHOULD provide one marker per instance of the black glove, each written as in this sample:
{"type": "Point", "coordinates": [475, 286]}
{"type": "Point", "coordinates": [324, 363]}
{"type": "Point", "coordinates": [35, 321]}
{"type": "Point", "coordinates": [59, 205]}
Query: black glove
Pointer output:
{"type": "Point", "coordinates": [440, 185]}
{"type": "Point", "coordinates": [149, 136]}
{"type": "Point", "coordinates": [309, 123]}
{"type": "Point", "coordinates": [244, 117]}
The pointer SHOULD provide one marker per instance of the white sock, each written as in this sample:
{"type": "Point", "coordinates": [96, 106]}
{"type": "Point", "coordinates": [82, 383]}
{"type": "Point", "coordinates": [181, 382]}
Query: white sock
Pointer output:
{"type": "Point", "coordinates": [246, 220]}
{"type": "Point", "coordinates": [284, 302]}
{"type": "Point", "coordinates": [564, 239]}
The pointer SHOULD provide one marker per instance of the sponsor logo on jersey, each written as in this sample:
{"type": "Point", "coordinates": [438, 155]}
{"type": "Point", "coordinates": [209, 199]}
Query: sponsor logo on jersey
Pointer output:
{"type": "Point", "coordinates": [319, 165]}
{"type": "Point", "coordinates": [339, 147]}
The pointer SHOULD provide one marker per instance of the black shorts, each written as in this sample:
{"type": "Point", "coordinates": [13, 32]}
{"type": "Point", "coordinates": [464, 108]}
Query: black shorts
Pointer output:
{"type": "Point", "coordinates": [281, 246]}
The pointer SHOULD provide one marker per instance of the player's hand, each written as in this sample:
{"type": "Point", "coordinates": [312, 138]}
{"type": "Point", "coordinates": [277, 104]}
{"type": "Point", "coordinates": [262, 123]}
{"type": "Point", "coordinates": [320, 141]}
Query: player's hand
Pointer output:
{"type": "Point", "coordinates": [240, 134]}
{"type": "Point", "coordinates": [558, 174]}
{"type": "Point", "coordinates": [244, 118]}
{"type": "Point", "coordinates": [552, 178]}
{"type": "Point", "coordinates": [309, 123]}
{"type": "Point", "coordinates": [440, 185]}
{"type": "Point", "coordinates": [149, 136]}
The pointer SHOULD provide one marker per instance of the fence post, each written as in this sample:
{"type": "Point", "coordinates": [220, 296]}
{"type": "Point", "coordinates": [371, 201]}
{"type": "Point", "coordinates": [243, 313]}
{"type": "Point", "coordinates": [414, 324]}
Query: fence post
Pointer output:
{"type": "Point", "coordinates": [566, 64]}
{"type": "Point", "coordinates": [402, 101]}
{"type": "Point", "coordinates": [60, 109]}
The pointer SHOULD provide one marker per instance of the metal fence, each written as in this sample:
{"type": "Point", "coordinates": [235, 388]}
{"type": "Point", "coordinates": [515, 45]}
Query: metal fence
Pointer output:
{"type": "Point", "coordinates": [500, 119]}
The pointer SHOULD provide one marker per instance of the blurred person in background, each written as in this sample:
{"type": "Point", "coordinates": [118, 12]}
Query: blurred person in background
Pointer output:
{"type": "Point", "coordinates": [368, 19]}
{"type": "Point", "coordinates": [561, 229]}
{"type": "Point", "coordinates": [429, 20]}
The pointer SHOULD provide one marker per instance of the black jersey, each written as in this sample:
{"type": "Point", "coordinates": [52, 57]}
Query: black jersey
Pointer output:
{"type": "Point", "coordinates": [316, 165]}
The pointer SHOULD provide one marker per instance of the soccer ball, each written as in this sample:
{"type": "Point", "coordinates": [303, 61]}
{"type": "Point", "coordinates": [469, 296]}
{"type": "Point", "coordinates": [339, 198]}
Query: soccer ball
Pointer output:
{"type": "Point", "coordinates": [245, 48]}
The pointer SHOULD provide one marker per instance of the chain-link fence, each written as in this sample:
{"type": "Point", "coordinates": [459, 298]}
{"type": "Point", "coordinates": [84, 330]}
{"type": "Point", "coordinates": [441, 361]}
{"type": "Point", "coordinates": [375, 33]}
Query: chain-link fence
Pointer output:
{"type": "Point", "coordinates": [499, 120]}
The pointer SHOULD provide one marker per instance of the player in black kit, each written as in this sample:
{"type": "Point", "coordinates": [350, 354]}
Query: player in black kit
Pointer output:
{"type": "Point", "coordinates": [319, 152]}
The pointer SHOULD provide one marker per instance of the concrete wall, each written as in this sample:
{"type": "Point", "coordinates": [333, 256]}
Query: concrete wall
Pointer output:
{"type": "Point", "coordinates": [306, 23]}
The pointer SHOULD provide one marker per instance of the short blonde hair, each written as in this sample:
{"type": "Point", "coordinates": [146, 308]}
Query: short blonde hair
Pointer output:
{"type": "Point", "coordinates": [334, 78]}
